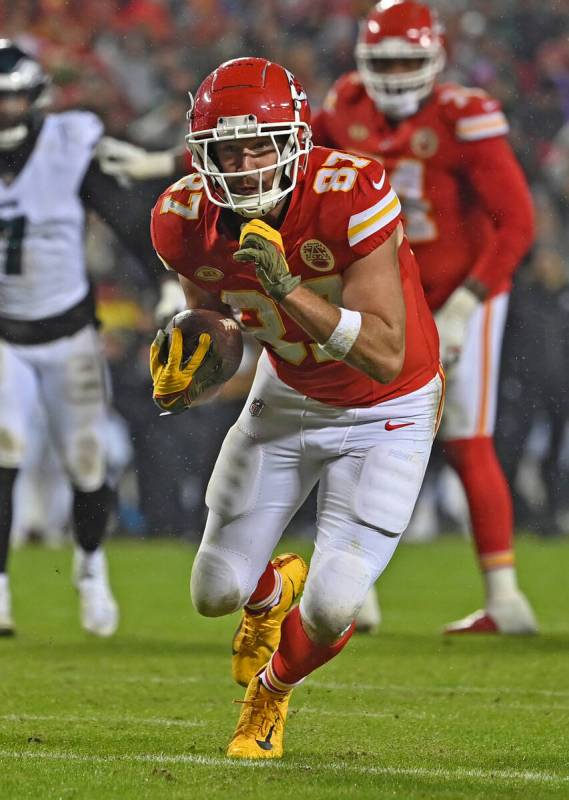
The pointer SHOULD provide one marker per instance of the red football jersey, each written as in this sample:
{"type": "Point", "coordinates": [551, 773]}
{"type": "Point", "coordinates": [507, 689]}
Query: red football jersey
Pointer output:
{"type": "Point", "coordinates": [467, 208]}
{"type": "Point", "coordinates": [341, 210]}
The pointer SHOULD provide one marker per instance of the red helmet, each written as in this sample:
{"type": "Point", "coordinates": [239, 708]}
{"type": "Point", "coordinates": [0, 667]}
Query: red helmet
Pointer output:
{"type": "Point", "coordinates": [398, 29]}
{"type": "Point", "coordinates": [243, 99]}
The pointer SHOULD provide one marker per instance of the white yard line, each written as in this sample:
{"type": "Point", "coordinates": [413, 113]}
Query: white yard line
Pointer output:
{"type": "Point", "coordinates": [370, 687]}
{"type": "Point", "coordinates": [102, 720]}
{"type": "Point", "coordinates": [491, 776]}
{"type": "Point", "coordinates": [157, 679]}
{"type": "Point", "coordinates": [363, 713]}
{"type": "Point", "coordinates": [401, 713]}
{"type": "Point", "coordinates": [364, 687]}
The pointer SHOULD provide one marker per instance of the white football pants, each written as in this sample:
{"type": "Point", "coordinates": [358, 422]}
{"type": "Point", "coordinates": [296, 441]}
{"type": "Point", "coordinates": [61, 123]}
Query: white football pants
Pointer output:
{"type": "Point", "coordinates": [472, 383]}
{"type": "Point", "coordinates": [67, 377]}
{"type": "Point", "coordinates": [369, 462]}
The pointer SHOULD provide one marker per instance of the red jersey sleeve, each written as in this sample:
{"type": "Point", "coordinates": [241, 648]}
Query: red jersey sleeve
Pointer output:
{"type": "Point", "coordinates": [170, 224]}
{"type": "Point", "coordinates": [502, 190]}
{"type": "Point", "coordinates": [375, 211]}
{"type": "Point", "coordinates": [491, 169]}
{"type": "Point", "coordinates": [472, 113]}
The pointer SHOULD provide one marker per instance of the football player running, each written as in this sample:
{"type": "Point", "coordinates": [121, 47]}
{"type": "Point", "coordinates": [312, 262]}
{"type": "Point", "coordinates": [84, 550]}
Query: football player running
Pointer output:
{"type": "Point", "coordinates": [468, 216]}
{"type": "Point", "coordinates": [306, 246]}
{"type": "Point", "coordinates": [49, 347]}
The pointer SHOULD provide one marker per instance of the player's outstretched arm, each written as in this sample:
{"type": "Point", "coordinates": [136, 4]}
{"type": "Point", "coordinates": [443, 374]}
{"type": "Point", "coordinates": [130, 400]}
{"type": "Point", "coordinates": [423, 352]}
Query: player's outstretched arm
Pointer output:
{"type": "Point", "coordinates": [372, 286]}
{"type": "Point", "coordinates": [372, 290]}
{"type": "Point", "coordinates": [127, 162]}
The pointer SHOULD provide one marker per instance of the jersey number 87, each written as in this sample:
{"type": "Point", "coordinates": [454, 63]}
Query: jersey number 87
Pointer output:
{"type": "Point", "coordinates": [330, 178]}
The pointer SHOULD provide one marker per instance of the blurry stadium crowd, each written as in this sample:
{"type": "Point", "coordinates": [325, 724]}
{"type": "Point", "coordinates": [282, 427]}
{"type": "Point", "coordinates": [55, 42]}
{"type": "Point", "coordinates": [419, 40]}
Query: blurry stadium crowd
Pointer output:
{"type": "Point", "coordinates": [133, 62]}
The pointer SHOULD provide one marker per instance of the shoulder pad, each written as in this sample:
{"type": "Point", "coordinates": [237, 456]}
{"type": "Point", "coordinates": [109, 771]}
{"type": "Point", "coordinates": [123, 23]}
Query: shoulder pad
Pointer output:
{"type": "Point", "coordinates": [356, 204]}
{"type": "Point", "coordinates": [172, 217]}
{"type": "Point", "coordinates": [179, 192]}
{"type": "Point", "coordinates": [347, 89]}
{"type": "Point", "coordinates": [81, 126]}
{"type": "Point", "coordinates": [375, 204]}
{"type": "Point", "coordinates": [472, 112]}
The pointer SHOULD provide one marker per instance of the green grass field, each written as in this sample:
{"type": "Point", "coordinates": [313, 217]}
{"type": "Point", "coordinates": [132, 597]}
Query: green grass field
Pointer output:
{"type": "Point", "coordinates": [405, 714]}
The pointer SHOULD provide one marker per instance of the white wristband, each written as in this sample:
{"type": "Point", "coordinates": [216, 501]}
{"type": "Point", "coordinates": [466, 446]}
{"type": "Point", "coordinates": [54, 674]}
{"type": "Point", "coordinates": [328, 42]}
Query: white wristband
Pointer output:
{"type": "Point", "coordinates": [344, 334]}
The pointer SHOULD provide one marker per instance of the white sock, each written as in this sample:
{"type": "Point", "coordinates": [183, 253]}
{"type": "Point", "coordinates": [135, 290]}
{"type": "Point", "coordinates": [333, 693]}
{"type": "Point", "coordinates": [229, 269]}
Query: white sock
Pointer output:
{"type": "Point", "coordinates": [91, 565]}
{"type": "Point", "coordinates": [501, 583]}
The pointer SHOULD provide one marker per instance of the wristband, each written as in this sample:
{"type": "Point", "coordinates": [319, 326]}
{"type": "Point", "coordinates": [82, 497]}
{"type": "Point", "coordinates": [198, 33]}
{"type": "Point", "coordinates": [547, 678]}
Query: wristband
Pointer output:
{"type": "Point", "coordinates": [344, 335]}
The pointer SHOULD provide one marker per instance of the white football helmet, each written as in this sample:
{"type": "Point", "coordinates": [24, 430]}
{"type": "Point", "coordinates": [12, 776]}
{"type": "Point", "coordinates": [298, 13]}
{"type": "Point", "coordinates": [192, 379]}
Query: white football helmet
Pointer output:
{"type": "Point", "coordinates": [395, 30]}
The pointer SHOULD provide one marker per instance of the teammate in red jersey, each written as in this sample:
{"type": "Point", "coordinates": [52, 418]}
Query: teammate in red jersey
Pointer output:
{"type": "Point", "coordinates": [468, 216]}
{"type": "Point", "coordinates": [306, 247]}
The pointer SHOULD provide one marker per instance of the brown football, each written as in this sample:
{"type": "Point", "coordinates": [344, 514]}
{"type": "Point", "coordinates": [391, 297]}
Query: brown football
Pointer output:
{"type": "Point", "coordinates": [226, 338]}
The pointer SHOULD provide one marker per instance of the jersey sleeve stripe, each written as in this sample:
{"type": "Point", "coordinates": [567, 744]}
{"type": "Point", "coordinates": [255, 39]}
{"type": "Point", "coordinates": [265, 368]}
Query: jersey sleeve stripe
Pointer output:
{"type": "Point", "coordinates": [363, 216]}
{"type": "Point", "coordinates": [481, 126]}
{"type": "Point", "coordinates": [367, 222]}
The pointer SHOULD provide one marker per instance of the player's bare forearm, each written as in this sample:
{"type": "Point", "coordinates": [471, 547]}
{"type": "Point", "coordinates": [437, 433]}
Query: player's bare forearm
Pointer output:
{"type": "Point", "coordinates": [379, 348]}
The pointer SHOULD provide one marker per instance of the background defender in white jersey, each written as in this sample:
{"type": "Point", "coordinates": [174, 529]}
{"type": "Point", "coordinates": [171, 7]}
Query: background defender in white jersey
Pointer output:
{"type": "Point", "coordinates": [49, 347]}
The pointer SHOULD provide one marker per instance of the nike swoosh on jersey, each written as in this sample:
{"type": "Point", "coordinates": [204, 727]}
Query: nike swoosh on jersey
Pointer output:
{"type": "Point", "coordinates": [389, 426]}
{"type": "Point", "coordinates": [379, 184]}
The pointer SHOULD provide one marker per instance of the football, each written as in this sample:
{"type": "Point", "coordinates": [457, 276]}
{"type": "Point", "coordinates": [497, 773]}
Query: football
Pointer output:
{"type": "Point", "coordinates": [226, 338]}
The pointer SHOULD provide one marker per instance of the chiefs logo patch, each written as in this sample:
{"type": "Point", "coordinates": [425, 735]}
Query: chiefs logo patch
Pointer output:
{"type": "Point", "coordinates": [424, 142]}
{"type": "Point", "coordinates": [208, 274]}
{"type": "Point", "coordinates": [317, 256]}
{"type": "Point", "coordinates": [358, 133]}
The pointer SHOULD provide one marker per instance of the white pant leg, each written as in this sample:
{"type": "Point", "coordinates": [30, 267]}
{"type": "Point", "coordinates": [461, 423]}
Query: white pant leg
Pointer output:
{"type": "Point", "coordinates": [261, 477]}
{"type": "Point", "coordinates": [74, 394]}
{"type": "Point", "coordinates": [366, 498]}
{"type": "Point", "coordinates": [472, 384]}
{"type": "Point", "coordinates": [18, 399]}
{"type": "Point", "coordinates": [42, 499]}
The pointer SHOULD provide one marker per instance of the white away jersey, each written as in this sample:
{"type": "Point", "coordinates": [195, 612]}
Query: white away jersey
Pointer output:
{"type": "Point", "coordinates": [42, 221]}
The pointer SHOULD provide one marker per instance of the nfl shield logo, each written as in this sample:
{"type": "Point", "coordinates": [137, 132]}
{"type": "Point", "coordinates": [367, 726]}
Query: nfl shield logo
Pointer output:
{"type": "Point", "coordinates": [256, 407]}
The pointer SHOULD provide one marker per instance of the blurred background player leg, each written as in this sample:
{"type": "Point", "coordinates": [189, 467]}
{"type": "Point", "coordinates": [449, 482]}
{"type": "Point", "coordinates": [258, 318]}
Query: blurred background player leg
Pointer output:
{"type": "Point", "coordinates": [368, 619]}
{"type": "Point", "coordinates": [42, 494]}
{"type": "Point", "coordinates": [467, 432]}
{"type": "Point", "coordinates": [75, 396]}
{"type": "Point", "coordinates": [14, 372]}
{"type": "Point", "coordinates": [7, 480]}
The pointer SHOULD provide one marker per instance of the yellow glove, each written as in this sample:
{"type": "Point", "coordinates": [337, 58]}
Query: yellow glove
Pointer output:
{"type": "Point", "coordinates": [176, 383]}
{"type": "Point", "coordinates": [264, 245]}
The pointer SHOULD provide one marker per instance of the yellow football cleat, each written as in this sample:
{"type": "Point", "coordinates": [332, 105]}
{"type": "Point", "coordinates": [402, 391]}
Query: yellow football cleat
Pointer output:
{"type": "Point", "coordinates": [258, 635]}
{"type": "Point", "coordinates": [260, 730]}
